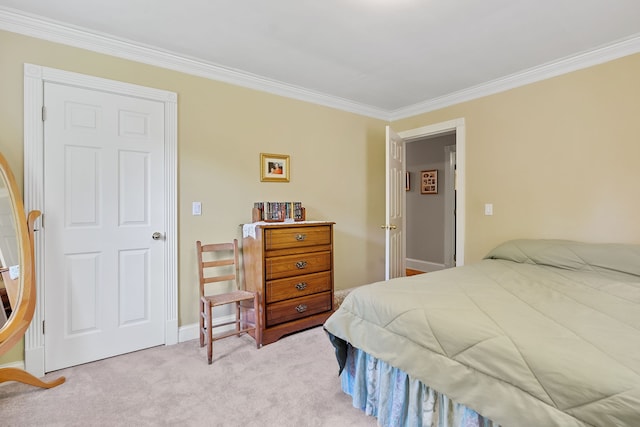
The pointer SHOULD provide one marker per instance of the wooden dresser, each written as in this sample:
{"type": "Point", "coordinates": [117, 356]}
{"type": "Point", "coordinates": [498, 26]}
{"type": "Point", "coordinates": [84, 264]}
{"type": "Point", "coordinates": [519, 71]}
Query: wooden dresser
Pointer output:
{"type": "Point", "coordinates": [291, 265]}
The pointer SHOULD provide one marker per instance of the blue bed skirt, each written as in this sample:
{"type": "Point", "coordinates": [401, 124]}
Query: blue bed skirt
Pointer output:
{"type": "Point", "coordinates": [396, 399]}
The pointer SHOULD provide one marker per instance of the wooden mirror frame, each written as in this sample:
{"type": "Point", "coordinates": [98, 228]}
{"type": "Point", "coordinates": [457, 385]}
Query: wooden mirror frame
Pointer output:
{"type": "Point", "coordinates": [16, 326]}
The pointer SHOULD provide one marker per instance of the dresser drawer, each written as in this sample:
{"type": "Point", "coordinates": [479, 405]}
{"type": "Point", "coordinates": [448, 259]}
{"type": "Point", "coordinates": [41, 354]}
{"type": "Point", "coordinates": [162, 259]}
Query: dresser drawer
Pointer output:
{"type": "Point", "coordinates": [293, 287]}
{"type": "Point", "coordinates": [297, 308]}
{"type": "Point", "coordinates": [296, 237]}
{"type": "Point", "coordinates": [295, 265]}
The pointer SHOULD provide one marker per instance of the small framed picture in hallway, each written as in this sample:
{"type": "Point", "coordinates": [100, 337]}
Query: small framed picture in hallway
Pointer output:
{"type": "Point", "coordinates": [429, 182]}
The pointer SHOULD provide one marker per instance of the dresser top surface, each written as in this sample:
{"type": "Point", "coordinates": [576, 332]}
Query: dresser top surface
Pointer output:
{"type": "Point", "coordinates": [249, 230]}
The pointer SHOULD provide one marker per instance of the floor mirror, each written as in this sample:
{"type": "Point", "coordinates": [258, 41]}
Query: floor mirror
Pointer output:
{"type": "Point", "coordinates": [17, 275]}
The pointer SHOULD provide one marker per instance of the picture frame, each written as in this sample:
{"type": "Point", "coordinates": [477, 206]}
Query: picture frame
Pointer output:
{"type": "Point", "coordinates": [429, 182]}
{"type": "Point", "coordinates": [407, 181]}
{"type": "Point", "coordinates": [275, 167]}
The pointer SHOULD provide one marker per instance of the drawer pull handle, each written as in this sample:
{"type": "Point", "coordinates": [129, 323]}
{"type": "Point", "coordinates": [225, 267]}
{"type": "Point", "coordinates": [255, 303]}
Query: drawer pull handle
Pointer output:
{"type": "Point", "coordinates": [301, 286]}
{"type": "Point", "coordinates": [300, 237]}
{"type": "Point", "coordinates": [301, 264]}
{"type": "Point", "coordinates": [301, 308]}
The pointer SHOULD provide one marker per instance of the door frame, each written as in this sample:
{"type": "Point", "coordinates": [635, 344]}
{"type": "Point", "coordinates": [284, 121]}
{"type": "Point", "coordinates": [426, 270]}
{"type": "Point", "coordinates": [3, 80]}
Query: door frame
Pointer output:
{"type": "Point", "coordinates": [34, 78]}
{"type": "Point", "coordinates": [457, 126]}
{"type": "Point", "coordinates": [449, 205]}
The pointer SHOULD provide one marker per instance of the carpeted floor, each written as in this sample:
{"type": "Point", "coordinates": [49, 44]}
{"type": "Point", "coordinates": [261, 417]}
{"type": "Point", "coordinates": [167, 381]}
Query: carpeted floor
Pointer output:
{"type": "Point", "coordinates": [292, 382]}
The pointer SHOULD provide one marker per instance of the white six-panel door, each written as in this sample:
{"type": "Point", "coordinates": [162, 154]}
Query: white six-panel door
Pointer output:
{"type": "Point", "coordinates": [395, 264]}
{"type": "Point", "coordinates": [104, 199]}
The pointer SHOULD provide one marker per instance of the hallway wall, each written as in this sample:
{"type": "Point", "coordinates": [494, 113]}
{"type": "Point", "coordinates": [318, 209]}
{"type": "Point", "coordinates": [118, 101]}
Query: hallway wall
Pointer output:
{"type": "Point", "coordinates": [425, 212]}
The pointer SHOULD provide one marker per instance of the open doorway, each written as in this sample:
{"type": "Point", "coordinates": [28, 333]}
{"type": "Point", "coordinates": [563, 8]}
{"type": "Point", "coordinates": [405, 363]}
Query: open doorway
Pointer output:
{"type": "Point", "coordinates": [430, 212]}
{"type": "Point", "coordinates": [452, 171]}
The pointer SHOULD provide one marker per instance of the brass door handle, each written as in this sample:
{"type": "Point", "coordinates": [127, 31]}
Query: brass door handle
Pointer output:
{"type": "Point", "coordinates": [388, 227]}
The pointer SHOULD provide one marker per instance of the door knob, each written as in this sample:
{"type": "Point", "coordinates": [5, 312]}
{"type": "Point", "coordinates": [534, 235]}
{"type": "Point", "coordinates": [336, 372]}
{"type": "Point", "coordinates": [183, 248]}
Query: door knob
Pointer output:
{"type": "Point", "coordinates": [156, 236]}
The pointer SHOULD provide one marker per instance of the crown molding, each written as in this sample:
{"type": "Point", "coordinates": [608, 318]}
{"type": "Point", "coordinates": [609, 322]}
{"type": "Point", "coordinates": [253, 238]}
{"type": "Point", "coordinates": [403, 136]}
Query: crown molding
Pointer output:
{"type": "Point", "coordinates": [34, 26]}
{"type": "Point", "coordinates": [619, 49]}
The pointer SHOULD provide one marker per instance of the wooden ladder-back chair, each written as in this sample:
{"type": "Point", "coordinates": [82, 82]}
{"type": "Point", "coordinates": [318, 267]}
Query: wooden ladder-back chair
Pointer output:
{"type": "Point", "coordinates": [223, 258]}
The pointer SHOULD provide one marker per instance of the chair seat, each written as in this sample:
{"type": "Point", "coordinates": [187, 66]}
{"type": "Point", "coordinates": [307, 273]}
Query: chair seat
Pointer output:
{"type": "Point", "coordinates": [228, 298]}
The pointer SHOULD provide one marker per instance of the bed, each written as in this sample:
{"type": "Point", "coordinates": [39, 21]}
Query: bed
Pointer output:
{"type": "Point", "coordinates": [539, 333]}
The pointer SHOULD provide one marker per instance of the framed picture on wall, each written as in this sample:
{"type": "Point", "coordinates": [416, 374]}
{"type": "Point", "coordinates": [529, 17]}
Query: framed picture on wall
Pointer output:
{"type": "Point", "coordinates": [429, 182]}
{"type": "Point", "coordinates": [274, 167]}
{"type": "Point", "coordinates": [407, 181]}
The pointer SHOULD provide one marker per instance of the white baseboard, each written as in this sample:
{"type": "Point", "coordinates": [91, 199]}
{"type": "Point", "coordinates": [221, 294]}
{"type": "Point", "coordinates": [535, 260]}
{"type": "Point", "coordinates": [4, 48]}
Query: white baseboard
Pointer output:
{"type": "Point", "coordinates": [426, 266]}
{"type": "Point", "coordinates": [188, 332]}
{"type": "Point", "coordinates": [19, 364]}
{"type": "Point", "coordinates": [191, 332]}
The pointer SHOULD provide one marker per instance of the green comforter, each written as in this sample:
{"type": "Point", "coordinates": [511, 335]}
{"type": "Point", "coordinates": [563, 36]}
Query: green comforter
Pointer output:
{"type": "Point", "coordinates": [541, 333]}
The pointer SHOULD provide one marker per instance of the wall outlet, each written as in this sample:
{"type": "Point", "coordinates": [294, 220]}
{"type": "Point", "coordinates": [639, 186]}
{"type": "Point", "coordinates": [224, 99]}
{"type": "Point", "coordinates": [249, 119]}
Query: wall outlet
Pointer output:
{"type": "Point", "coordinates": [488, 208]}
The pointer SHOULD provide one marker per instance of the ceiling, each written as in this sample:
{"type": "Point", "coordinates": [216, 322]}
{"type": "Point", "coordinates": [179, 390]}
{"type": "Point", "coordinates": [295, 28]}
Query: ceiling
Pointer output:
{"type": "Point", "coordinates": [382, 58]}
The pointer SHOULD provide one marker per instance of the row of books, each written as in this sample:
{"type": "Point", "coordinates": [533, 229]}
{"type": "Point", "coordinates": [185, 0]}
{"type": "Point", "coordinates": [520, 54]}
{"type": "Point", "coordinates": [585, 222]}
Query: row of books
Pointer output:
{"type": "Point", "coordinates": [279, 211]}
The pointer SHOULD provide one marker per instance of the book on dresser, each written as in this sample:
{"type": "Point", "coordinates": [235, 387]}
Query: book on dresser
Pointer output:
{"type": "Point", "coordinates": [291, 266]}
{"type": "Point", "coordinates": [278, 212]}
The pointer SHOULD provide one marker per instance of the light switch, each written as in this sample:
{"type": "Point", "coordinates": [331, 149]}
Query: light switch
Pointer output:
{"type": "Point", "coordinates": [196, 208]}
{"type": "Point", "coordinates": [488, 208]}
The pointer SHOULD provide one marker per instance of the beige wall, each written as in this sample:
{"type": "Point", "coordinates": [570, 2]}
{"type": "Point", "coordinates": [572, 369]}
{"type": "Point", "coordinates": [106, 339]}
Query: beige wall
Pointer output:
{"type": "Point", "coordinates": [556, 158]}
{"type": "Point", "coordinates": [337, 158]}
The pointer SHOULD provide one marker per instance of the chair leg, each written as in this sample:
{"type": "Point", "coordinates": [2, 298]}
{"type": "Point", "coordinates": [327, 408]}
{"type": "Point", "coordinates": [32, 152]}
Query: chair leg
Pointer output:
{"type": "Point", "coordinates": [238, 319]}
{"type": "Point", "coordinates": [202, 313]}
{"type": "Point", "coordinates": [209, 335]}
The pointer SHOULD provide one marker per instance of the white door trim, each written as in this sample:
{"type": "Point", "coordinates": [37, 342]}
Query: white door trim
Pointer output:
{"type": "Point", "coordinates": [34, 78]}
{"type": "Point", "coordinates": [449, 205]}
{"type": "Point", "coordinates": [458, 126]}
